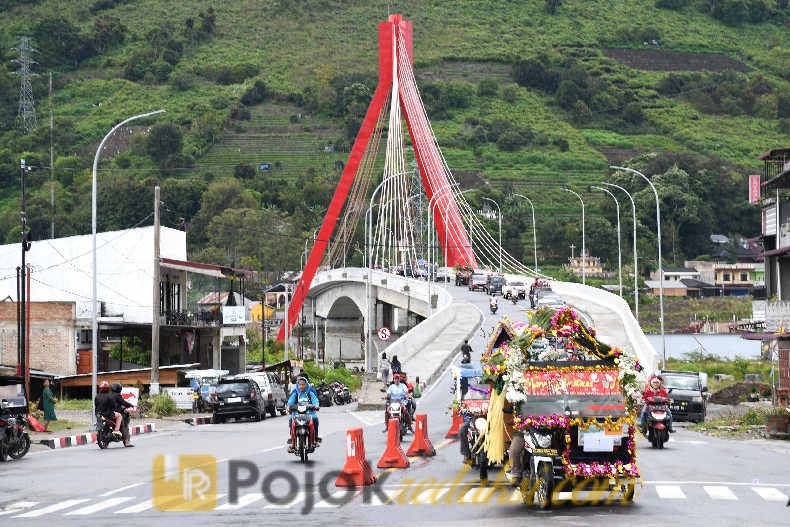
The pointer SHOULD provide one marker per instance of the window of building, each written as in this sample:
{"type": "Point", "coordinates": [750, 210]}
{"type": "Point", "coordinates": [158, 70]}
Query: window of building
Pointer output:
{"type": "Point", "coordinates": [725, 277]}
{"type": "Point", "coordinates": [744, 277]}
{"type": "Point", "coordinates": [85, 336]}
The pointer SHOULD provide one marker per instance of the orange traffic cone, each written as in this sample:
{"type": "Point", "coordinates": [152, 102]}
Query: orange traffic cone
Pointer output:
{"type": "Point", "coordinates": [394, 456]}
{"type": "Point", "coordinates": [356, 472]}
{"type": "Point", "coordinates": [421, 445]}
{"type": "Point", "coordinates": [458, 420]}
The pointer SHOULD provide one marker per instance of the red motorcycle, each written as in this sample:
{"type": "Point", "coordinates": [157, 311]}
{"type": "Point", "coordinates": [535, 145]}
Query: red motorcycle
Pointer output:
{"type": "Point", "coordinates": [657, 420]}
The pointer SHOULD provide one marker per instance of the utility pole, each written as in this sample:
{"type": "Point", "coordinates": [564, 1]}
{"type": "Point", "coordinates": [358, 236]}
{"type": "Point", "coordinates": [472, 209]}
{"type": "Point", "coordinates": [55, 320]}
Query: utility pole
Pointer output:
{"type": "Point", "coordinates": [22, 311]}
{"type": "Point", "coordinates": [51, 163]}
{"type": "Point", "coordinates": [155, 320]}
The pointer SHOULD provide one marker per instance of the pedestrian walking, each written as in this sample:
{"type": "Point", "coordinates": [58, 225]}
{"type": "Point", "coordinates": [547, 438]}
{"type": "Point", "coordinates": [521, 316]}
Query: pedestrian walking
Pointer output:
{"type": "Point", "coordinates": [384, 368]}
{"type": "Point", "coordinates": [48, 402]}
{"type": "Point", "coordinates": [395, 365]}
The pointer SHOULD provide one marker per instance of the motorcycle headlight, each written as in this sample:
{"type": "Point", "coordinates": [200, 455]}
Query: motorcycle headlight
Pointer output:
{"type": "Point", "coordinates": [481, 424]}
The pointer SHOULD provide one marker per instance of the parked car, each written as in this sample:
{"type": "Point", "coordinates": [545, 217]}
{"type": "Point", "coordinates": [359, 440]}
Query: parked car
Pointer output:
{"type": "Point", "coordinates": [516, 288]}
{"type": "Point", "coordinates": [551, 300]}
{"type": "Point", "coordinates": [494, 284]}
{"type": "Point", "coordinates": [688, 394]}
{"type": "Point", "coordinates": [477, 282]}
{"type": "Point", "coordinates": [238, 397]}
{"type": "Point", "coordinates": [271, 390]}
{"type": "Point", "coordinates": [444, 274]}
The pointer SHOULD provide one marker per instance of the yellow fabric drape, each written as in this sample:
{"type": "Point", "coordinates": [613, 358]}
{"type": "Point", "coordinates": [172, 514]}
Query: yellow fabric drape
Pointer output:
{"type": "Point", "coordinates": [494, 436]}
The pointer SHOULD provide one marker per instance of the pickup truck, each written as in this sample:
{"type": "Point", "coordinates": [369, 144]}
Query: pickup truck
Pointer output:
{"type": "Point", "coordinates": [515, 288]}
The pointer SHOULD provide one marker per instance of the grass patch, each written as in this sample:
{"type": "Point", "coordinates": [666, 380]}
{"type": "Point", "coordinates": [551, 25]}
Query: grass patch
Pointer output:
{"type": "Point", "coordinates": [66, 424]}
{"type": "Point", "coordinates": [74, 404]}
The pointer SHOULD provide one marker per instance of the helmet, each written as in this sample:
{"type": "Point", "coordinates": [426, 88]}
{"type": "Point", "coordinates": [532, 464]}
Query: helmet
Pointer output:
{"type": "Point", "coordinates": [116, 387]}
{"type": "Point", "coordinates": [655, 380]}
{"type": "Point", "coordinates": [396, 376]}
{"type": "Point", "coordinates": [104, 386]}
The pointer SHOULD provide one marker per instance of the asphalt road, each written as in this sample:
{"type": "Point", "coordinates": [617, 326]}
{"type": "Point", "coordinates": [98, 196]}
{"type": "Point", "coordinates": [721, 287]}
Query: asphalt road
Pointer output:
{"type": "Point", "coordinates": [695, 480]}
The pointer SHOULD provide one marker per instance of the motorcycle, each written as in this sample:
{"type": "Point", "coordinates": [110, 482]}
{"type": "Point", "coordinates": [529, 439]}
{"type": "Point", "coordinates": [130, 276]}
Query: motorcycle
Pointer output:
{"type": "Point", "coordinates": [302, 432]}
{"type": "Point", "coordinates": [14, 440]}
{"type": "Point", "coordinates": [398, 410]}
{"type": "Point", "coordinates": [105, 427]}
{"type": "Point", "coordinates": [324, 393]}
{"type": "Point", "coordinates": [657, 422]}
{"type": "Point", "coordinates": [340, 394]}
{"type": "Point", "coordinates": [493, 306]}
{"type": "Point", "coordinates": [514, 299]}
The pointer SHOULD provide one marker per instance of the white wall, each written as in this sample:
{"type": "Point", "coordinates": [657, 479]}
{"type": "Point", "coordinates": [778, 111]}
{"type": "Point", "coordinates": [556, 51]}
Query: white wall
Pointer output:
{"type": "Point", "coordinates": [62, 270]}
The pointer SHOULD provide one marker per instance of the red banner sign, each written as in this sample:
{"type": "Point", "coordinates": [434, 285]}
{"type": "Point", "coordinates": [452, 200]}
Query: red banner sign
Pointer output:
{"type": "Point", "coordinates": [573, 382]}
{"type": "Point", "coordinates": [754, 189]}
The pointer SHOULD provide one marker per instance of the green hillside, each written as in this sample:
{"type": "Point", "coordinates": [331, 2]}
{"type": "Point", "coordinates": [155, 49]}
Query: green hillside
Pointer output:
{"type": "Point", "coordinates": [523, 96]}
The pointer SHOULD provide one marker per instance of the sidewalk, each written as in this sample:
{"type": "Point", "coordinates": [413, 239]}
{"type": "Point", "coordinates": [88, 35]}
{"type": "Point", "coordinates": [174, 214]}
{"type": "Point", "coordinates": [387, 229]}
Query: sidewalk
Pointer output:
{"type": "Point", "coordinates": [426, 359]}
{"type": "Point", "coordinates": [81, 432]}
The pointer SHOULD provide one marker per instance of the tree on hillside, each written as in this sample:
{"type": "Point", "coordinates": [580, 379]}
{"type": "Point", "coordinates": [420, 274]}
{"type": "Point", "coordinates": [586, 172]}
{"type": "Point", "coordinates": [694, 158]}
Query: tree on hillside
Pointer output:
{"type": "Point", "coordinates": [165, 140]}
{"type": "Point", "coordinates": [220, 195]}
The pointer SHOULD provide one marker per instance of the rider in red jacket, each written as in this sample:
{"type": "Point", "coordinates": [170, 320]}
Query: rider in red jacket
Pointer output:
{"type": "Point", "coordinates": [654, 388]}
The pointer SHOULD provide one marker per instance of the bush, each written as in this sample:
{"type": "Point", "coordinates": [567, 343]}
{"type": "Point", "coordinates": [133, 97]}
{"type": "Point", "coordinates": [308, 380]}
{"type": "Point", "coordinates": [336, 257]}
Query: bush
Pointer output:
{"type": "Point", "coordinates": [162, 405]}
{"type": "Point", "coordinates": [754, 416]}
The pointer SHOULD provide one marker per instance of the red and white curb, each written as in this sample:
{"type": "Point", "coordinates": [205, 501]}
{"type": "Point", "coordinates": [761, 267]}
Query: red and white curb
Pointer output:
{"type": "Point", "coordinates": [198, 421]}
{"type": "Point", "coordinates": [86, 439]}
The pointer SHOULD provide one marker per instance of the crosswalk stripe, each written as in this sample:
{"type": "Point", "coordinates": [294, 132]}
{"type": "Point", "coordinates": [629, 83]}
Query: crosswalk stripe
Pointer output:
{"type": "Point", "coordinates": [96, 507]}
{"type": "Point", "coordinates": [670, 492]}
{"type": "Point", "coordinates": [429, 496]}
{"type": "Point", "coordinates": [247, 499]}
{"type": "Point", "coordinates": [338, 498]}
{"type": "Point", "coordinates": [139, 507]}
{"type": "Point", "coordinates": [18, 507]}
{"type": "Point", "coordinates": [770, 494]}
{"type": "Point", "coordinates": [52, 508]}
{"type": "Point", "coordinates": [719, 493]}
{"type": "Point", "coordinates": [477, 495]}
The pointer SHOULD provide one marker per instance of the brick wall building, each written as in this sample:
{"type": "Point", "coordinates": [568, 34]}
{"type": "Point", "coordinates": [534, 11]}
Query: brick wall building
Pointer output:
{"type": "Point", "coordinates": [53, 342]}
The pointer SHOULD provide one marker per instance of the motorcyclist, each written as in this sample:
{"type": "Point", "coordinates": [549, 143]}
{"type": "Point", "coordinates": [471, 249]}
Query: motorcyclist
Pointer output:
{"type": "Point", "coordinates": [397, 392]}
{"type": "Point", "coordinates": [492, 304]}
{"type": "Point", "coordinates": [655, 388]}
{"type": "Point", "coordinates": [466, 352]}
{"type": "Point", "coordinates": [122, 407]}
{"type": "Point", "coordinates": [303, 394]}
{"type": "Point", "coordinates": [105, 407]}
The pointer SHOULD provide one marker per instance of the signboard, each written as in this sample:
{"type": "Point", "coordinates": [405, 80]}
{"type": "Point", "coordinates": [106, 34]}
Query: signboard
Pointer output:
{"type": "Point", "coordinates": [384, 333]}
{"type": "Point", "coordinates": [233, 315]}
{"type": "Point", "coordinates": [754, 189]}
{"type": "Point", "coordinates": [181, 396]}
{"type": "Point", "coordinates": [572, 382]}
{"type": "Point", "coordinates": [130, 395]}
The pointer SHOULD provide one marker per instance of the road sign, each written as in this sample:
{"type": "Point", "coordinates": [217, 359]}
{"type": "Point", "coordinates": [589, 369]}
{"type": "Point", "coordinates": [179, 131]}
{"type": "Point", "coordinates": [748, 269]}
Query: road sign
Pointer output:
{"type": "Point", "coordinates": [384, 333]}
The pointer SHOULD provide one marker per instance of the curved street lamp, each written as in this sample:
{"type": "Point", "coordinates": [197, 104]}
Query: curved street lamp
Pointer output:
{"type": "Point", "coordinates": [534, 232]}
{"type": "Point", "coordinates": [619, 248]}
{"type": "Point", "coordinates": [94, 315]}
{"type": "Point", "coordinates": [660, 264]}
{"type": "Point", "coordinates": [636, 280]}
{"type": "Point", "coordinates": [584, 247]}
{"type": "Point", "coordinates": [500, 230]}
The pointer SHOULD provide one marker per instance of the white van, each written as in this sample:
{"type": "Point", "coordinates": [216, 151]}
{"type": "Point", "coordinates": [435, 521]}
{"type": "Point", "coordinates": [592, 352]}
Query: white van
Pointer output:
{"type": "Point", "coordinates": [271, 390]}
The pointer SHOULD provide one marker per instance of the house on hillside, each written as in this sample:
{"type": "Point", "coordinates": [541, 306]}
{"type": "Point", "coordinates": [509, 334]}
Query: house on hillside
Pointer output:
{"type": "Point", "coordinates": [61, 316]}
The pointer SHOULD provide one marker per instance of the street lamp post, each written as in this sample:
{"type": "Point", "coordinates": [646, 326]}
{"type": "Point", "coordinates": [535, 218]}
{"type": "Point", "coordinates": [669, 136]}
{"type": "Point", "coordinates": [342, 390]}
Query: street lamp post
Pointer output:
{"type": "Point", "coordinates": [660, 264]}
{"type": "Point", "coordinates": [500, 230]}
{"type": "Point", "coordinates": [94, 316]}
{"type": "Point", "coordinates": [534, 231]}
{"type": "Point", "coordinates": [636, 267]}
{"type": "Point", "coordinates": [432, 253]}
{"type": "Point", "coordinates": [619, 248]}
{"type": "Point", "coordinates": [584, 247]}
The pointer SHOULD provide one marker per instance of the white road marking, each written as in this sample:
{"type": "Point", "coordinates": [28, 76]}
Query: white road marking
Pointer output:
{"type": "Point", "coordinates": [392, 497]}
{"type": "Point", "coordinates": [116, 491]}
{"type": "Point", "coordinates": [18, 507]}
{"type": "Point", "coordinates": [363, 420]}
{"type": "Point", "coordinates": [96, 507]}
{"type": "Point", "coordinates": [719, 493]}
{"type": "Point", "coordinates": [243, 501]}
{"type": "Point", "coordinates": [52, 508]}
{"type": "Point", "coordinates": [348, 494]}
{"type": "Point", "coordinates": [670, 492]}
{"type": "Point", "coordinates": [770, 494]}
{"type": "Point", "coordinates": [140, 507]}
{"type": "Point", "coordinates": [292, 503]}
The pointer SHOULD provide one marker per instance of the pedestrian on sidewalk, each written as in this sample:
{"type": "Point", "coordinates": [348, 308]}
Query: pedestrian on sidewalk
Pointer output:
{"type": "Point", "coordinates": [384, 368]}
{"type": "Point", "coordinates": [48, 402]}
{"type": "Point", "coordinates": [395, 365]}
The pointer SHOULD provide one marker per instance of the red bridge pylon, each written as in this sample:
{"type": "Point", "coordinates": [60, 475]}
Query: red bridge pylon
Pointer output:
{"type": "Point", "coordinates": [393, 456]}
